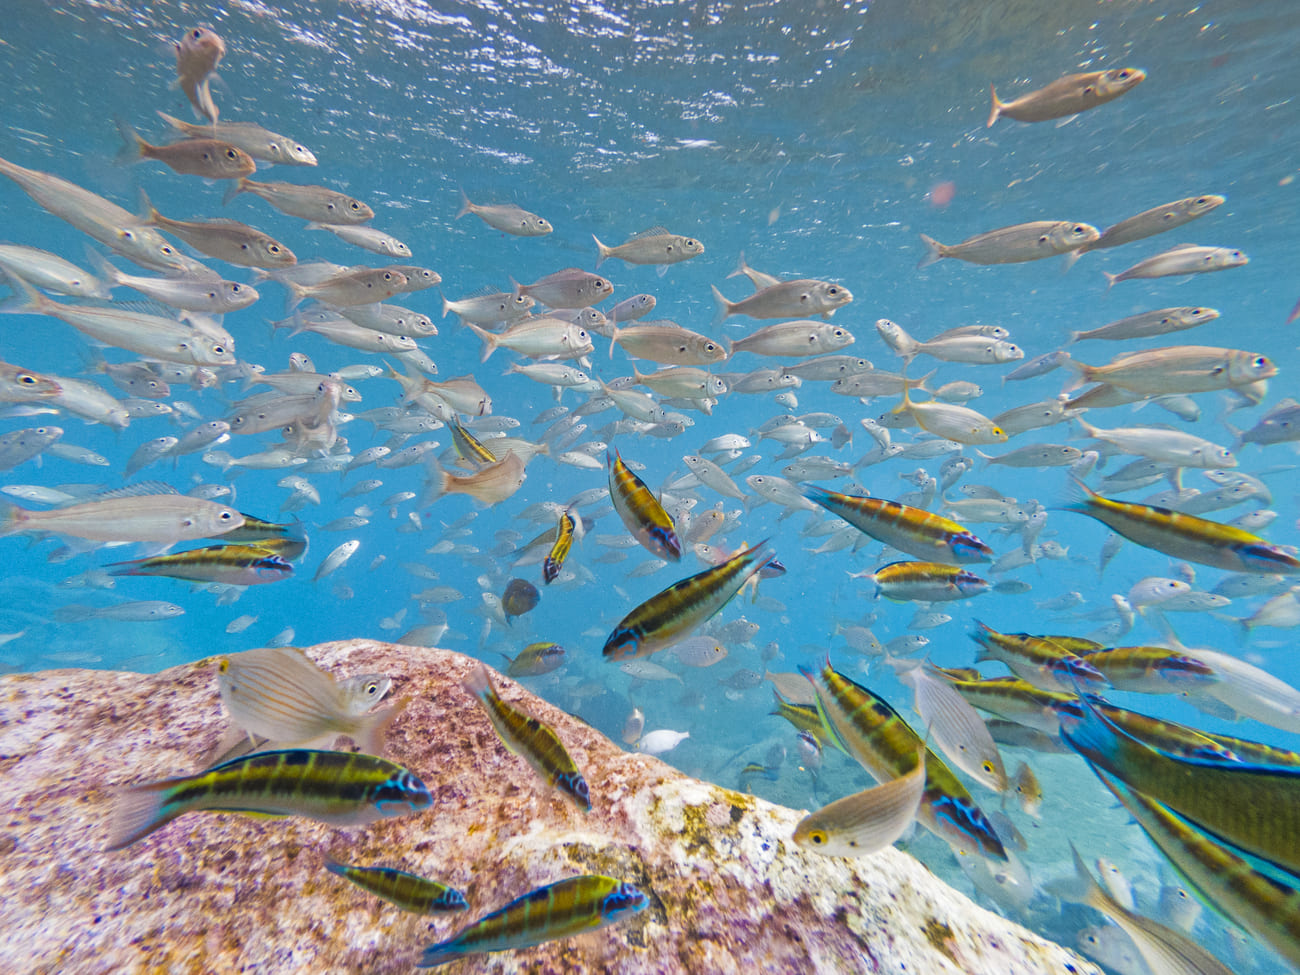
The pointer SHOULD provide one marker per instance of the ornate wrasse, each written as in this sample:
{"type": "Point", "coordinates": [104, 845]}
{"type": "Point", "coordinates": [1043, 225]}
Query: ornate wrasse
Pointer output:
{"type": "Point", "coordinates": [1185, 536]}
{"type": "Point", "coordinates": [641, 511]}
{"type": "Point", "coordinates": [236, 565]}
{"type": "Point", "coordinates": [554, 560]}
{"type": "Point", "coordinates": [558, 910]}
{"type": "Point", "coordinates": [338, 788]}
{"type": "Point", "coordinates": [408, 891]}
{"type": "Point", "coordinates": [914, 531]}
{"type": "Point", "coordinates": [887, 747]}
{"type": "Point", "coordinates": [531, 740]}
{"type": "Point", "coordinates": [672, 614]}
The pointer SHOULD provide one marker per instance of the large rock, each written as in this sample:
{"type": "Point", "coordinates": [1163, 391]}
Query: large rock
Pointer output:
{"type": "Point", "coordinates": [216, 893]}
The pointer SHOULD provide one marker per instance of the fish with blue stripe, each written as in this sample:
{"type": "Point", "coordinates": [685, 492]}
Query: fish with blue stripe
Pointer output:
{"type": "Point", "coordinates": [409, 891]}
{"type": "Point", "coordinates": [673, 614]}
{"type": "Point", "coordinates": [641, 511]}
{"type": "Point", "coordinates": [563, 909]}
{"type": "Point", "coordinates": [913, 531]}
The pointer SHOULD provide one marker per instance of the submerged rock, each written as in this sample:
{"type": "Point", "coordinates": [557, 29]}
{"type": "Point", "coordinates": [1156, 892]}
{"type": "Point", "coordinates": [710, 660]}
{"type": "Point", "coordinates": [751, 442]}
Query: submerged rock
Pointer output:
{"type": "Point", "coordinates": [215, 892]}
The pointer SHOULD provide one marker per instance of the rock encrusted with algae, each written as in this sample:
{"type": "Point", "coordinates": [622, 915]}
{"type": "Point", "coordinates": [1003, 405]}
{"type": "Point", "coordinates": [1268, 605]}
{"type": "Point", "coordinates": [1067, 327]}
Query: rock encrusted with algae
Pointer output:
{"type": "Point", "coordinates": [213, 892]}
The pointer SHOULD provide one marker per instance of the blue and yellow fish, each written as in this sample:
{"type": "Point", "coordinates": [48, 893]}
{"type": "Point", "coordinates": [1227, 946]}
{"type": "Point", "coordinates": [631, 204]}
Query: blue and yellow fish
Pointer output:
{"type": "Point", "coordinates": [554, 560]}
{"type": "Point", "coordinates": [1185, 536]}
{"type": "Point", "coordinates": [234, 565]}
{"type": "Point", "coordinates": [559, 910]}
{"type": "Point", "coordinates": [673, 614]}
{"type": "Point", "coordinates": [534, 742]}
{"type": "Point", "coordinates": [409, 891]}
{"type": "Point", "coordinates": [887, 747]}
{"type": "Point", "coordinates": [338, 788]}
{"type": "Point", "coordinates": [641, 511]}
{"type": "Point", "coordinates": [914, 531]}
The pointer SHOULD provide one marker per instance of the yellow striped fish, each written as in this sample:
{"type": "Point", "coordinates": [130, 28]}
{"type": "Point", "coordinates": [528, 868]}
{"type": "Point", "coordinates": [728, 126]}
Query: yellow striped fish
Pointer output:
{"type": "Point", "coordinates": [534, 742]}
{"type": "Point", "coordinates": [288, 541]}
{"type": "Point", "coordinates": [559, 910]}
{"type": "Point", "coordinates": [887, 747]}
{"type": "Point", "coordinates": [408, 891]}
{"type": "Point", "coordinates": [1185, 536]}
{"type": "Point", "coordinates": [672, 615]}
{"type": "Point", "coordinates": [931, 582]}
{"type": "Point", "coordinates": [554, 560]}
{"type": "Point", "coordinates": [234, 565]}
{"type": "Point", "coordinates": [914, 531]}
{"type": "Point", "coordinates": [468, 447]}
{"type": "Point", "coordinates": [1262, 905]}
{"type": "Point", "coordinates": [1152, 670]}
{"type": "Point", "coordinates": [641, 511]}
{"type": "Point", "coordinates": [338, 788]}
{"type": "Point", "coordinates": [1041, 662]}
{"type": "Point", "coordinates": [1250, 805]}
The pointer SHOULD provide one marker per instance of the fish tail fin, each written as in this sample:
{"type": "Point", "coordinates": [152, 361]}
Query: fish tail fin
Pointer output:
{"type": "Point", "coordinates": [933, 251]}
{"type": "Point", "coordinates": [374, 727]}
{"type": "Point", "coordinates": [1110, 279]}
{"type": "Point", "coordinates": [1079, 497]}
{"type": "Point", "coordinates": [297, 294]}
{"type": "Point", "coordinates": [149, 214]}
{"type": "Point", "coordinates": [11, 518]}
{"type": "Point", "coordinates": [435, 485]}
{"type": "Point", "coordinates": [1074, 337]}
{"type": "Point", "coordinates": [1082, 374]}
{"type": "Point", "coordinates": [723, 305]}
{"type": "Point", "coordinates": [138, 811]}
{"type": "Point", "coordinates": [479, 683]}
{"type": "Point", "coordinates": [465, 205]}
{"type": "Point", "coordinates": [133, 145]}
{"type": "Point", "coordinates": [446, 305]}
{"type": "Point", "coordinates": [995, 112]}
{"type": "Point", "coordinates": [236, 187]}
{"type": "Point", "coordinates": [613, 341]}
{"type": "Point", "coordinates": [1079, 889]}
{"type": "Point", "coordinates": [25, 299]}
{"type": "Point", "coordinates": [741, 267]}
{"type": "Point", "coordinates": [488, 339]}
{"type": "Point", "coordinates": [602, 251]}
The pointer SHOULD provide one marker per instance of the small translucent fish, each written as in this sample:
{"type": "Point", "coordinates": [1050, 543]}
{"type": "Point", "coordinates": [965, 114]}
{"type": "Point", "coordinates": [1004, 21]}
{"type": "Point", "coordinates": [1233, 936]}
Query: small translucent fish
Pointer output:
{"type": "Point", "coordinates": [507, 218]}
{"type": "Point", "coordinates": [163, 518]}
{"type": "Point", "coordinates": [884, 744]}
{"type": "Point", "coordinates": [674, 613]}
{"type": "Point", "coordinates": [337, 558]}
{"type": "Point", "coordinates": [519, 597]}
{"type": "Point", "coordinates": [927, 581]}
{"type": "Point", "coordinates": [1013, 245]}
{"type": "Point", "coordinates": [801, 298]}
{"type": "Point", "coordinates": [235, 565]}
{"type": "Point", "coordinates": [633, 726]}
{"type": "Point", "coordinates": [198, 53]}
{"type": "Point", "coordinates": [653, 246]}
{"type": "Point", "coordinates": [1177, 369]}
{"type": "Point", "coordinates": [1165, 950]}
{"type": "Point", "coordinates": [1180, 260]}
{"type": "Point", "coordinates": [699, 651]}
{"type": "Point", "coordinates": [555, 558]}
{"type": "Point", "coordinates": [337, 788]}
{"type": "Point", "coordinates": [954, 726]}
{"type": "Point", "coordinates": [913, 531]}
{"type": "Point", "coordinates": [408, 891]}
{"type": "Point", "coordinates": [1185, 536]}
{"type": "Point", "coordinates": [558, 910]}
{"type": "Point", "coordinates": [660, 741]}
{"type": "Point", "coordinates": [867, 821]}
{"type": "Point", "coordinates": [282, 695]}
{"type": "Point", "coordinates": [536, 659]}
{"type": "Point", "coordinates": [1029, 793]}
{"type": "Point", "coordinates": [534, 742]}
{"type": "Point", "coordinates": [1066, 96]}
{"type": "Point", "coordinates": [641, 511]}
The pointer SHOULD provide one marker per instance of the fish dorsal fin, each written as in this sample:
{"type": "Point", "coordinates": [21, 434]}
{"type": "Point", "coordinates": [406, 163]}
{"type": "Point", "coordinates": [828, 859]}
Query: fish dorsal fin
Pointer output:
{"type": "Point", "coordinates": [143, 306]}
{"type": "Point", "coordinates": [650, 232]}
{"type": "Point", "coordinates": [483, 292]}
{"type": "Point", "coordinates": [144, 489]}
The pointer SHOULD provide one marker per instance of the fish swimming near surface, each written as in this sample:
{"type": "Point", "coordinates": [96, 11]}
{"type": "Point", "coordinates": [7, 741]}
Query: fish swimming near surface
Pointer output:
{"type": "Point", "coordinates": [409, 891]}
{"type": "Point", "coordinates": [674, 613]}
{"type": "Point", "coordinates": [1070, 95]}
{"type": "Point", "coordinates": [198, 53]}
{"type": "Point", "coordinates": [336, 788]}
{"type": "Point", "coordinates": [559, 910]}
{"type": "Point", "coordinates": [531, 740]}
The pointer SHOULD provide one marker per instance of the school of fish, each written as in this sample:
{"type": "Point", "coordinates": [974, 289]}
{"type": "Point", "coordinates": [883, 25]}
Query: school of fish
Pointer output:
{"type": "Point", "coordinates": [881, 491]}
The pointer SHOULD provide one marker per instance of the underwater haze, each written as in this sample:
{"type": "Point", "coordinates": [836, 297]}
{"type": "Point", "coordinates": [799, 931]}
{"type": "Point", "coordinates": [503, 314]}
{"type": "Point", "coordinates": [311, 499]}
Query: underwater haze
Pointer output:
{"type": "Point", "coordinates": [804, 140]}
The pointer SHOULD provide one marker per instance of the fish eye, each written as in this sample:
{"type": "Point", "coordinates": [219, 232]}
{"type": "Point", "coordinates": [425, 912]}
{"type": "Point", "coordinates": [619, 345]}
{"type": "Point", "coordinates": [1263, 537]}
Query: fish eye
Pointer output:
{"type": "Point", "coordinates": [27, 379]}
{"type": "Point", "coordinates": [273, 248]}
{"type": "Point", "coordinates": [817, 837]}
{"type": "Point", "coordinates": [231, 154]}
{"type": "Point", "coordinates": [196, 33]}
{"type": "Point", "coordinates": [355, 205]}
{"type": "Point", "coordinates": [234, 288]}
{"type": "Point", "coordinates": [1260, 362]}
{"type": "Point", "coordinates": [219, 349]}
{"type": "Point", "coordinates": [832, 291]}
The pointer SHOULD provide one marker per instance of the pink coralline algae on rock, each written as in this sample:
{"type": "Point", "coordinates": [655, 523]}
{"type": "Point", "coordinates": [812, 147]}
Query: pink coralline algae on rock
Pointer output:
{"type": "Point", "coordinates": [728, 890]}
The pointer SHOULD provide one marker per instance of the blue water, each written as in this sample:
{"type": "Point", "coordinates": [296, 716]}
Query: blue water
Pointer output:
{"type": "Point", "coordinates": [808, 139]}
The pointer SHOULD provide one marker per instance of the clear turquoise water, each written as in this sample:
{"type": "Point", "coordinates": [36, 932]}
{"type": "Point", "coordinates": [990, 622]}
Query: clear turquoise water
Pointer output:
{"type": "Point", "coordinates": [808, 137]}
